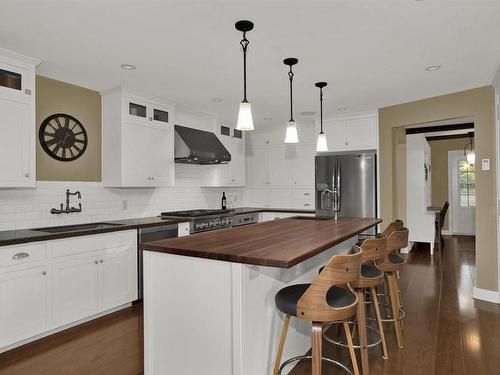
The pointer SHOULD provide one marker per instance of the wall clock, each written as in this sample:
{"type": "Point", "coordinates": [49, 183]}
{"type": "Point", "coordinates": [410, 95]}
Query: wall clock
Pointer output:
{"type": "Point", "coordinates": [63, 137]}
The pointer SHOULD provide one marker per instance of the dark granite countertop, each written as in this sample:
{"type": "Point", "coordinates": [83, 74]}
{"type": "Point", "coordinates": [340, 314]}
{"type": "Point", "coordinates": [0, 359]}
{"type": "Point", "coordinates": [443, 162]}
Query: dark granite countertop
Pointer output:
{"type": "Point", "coordinates": [19, 236]}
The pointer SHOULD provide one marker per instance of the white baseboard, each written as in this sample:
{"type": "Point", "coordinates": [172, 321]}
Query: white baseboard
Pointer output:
{"type": "Point", "coordinates": [486, 295]}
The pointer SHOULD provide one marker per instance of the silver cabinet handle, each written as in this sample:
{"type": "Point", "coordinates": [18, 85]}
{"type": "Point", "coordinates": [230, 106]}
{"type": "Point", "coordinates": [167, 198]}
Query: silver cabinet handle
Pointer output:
{"type": "Point", "coordinates": [101, 261]}
{"type": "Point", "coordinates": [150, 119]}
{"type": "Point", "coordinates": [27, 174]}
{"type": "Point", "coordinates": [152, 178]}
{"type": "Point", "coordinates": [44, 273]}
{"type": "Point", "coordinates": [96, 261]}
{"type": "Point", "coordinates": [307, 193]}
{"type": "Point", "coordinates": [306, 205]}
{"type": "Point", "coordinates": [20, 256]}
{"type": "Point", "coordinates": [27, 91]}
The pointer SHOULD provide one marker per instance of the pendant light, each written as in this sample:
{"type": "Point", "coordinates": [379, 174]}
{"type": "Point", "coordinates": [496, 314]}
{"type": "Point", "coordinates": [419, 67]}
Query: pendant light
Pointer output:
{"type": "Point", "coordinates": [245, 121]}
{"type": "Point", "coordinates": [291, 127]}
{"type": "Point", "coordinates": [469, 151]}
{"type": "Point", "coordinates": [321, 145]}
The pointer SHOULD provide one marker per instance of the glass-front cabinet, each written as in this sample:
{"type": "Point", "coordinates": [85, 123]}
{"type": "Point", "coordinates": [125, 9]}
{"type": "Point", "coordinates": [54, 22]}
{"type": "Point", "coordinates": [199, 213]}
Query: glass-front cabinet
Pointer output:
{"type": "Point", "coordinates": [142, 111]}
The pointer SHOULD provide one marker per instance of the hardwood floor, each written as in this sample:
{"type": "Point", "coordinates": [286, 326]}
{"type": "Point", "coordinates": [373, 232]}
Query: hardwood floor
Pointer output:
{"type": "Point", "coordinates": [445, 332]}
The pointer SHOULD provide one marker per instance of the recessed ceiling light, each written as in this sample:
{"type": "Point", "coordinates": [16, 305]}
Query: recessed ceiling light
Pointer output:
{"type": "Point", "coordinates": [433, 68]}
{"type": "Point", "coordinates": [127, 67]}
{"type": "Point", "coordinates": [217, 100]}
{"type": "Point", "coordinates": [307, 113]}
{"type": "Point", "coordinates": [342, 109]}
{"type": "Point", "coordinates": [267, 118]}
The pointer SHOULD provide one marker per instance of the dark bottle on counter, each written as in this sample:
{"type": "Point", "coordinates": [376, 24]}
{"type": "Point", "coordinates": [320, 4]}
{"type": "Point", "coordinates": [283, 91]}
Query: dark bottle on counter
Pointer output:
{"type": "Point", "coordinates": [224, 200]}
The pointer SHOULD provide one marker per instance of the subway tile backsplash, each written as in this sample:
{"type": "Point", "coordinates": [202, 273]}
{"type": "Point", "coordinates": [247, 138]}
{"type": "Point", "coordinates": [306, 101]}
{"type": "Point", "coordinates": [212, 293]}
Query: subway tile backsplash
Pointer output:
{"type": "Point", "coordinates": [30, 208]}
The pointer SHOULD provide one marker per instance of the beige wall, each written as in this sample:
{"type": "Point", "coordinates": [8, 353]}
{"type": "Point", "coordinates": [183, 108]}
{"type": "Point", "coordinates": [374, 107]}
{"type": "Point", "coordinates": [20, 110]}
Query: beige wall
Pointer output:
{"type": "Point", "coordinates": [58, 97]}
{"type": "Point", "coordinates": [439, 169]}
{"type": "Point", "coordinates": [477, 103]}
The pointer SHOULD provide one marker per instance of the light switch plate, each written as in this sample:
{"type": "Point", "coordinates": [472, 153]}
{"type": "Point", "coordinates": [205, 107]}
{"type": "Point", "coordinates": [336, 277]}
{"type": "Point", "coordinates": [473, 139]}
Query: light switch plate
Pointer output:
{"type": "Point", "coordinates": [485, 164]}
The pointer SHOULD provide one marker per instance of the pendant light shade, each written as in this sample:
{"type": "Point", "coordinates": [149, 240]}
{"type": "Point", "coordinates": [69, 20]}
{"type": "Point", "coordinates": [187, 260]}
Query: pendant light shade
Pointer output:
{"type": "Point", "coordinates": [245, 121]}
{"type": "Point", "coordinates": [291, 132]}
{"type": "Point", "coordinates": [469, 151]}
{"type": "Point", "coordinates": [291, 135]}
{"type": "Point", "coordinates": [321, 145]}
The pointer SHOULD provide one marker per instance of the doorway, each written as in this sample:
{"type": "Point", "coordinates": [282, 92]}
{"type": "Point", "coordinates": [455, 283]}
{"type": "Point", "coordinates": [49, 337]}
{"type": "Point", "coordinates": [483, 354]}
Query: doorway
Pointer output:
{"type": "Point", "coordinates": [462, 191]}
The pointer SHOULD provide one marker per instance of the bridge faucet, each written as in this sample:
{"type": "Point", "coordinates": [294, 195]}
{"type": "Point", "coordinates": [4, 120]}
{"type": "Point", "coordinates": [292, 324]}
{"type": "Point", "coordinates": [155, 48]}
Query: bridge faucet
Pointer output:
{"type": "Point", "coordinates": [68, 209]}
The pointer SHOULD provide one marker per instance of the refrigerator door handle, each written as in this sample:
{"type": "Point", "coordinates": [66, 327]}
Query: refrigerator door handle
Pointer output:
{"type": "Point", "coordinates": [339, 192]}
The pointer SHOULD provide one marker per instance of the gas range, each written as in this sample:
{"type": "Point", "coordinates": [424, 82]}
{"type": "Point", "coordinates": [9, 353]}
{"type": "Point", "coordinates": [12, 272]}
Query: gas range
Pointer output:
{"type": "Point", "coordinates": [203, 220]}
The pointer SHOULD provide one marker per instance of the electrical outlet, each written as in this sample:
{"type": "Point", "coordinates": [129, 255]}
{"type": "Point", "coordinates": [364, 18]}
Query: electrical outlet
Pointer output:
{"type": "Point", "coordinates": [125, 205]}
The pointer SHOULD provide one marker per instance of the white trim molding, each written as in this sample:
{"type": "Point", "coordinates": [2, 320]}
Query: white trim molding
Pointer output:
{"type": "Point", "coordinates": [486, 295]}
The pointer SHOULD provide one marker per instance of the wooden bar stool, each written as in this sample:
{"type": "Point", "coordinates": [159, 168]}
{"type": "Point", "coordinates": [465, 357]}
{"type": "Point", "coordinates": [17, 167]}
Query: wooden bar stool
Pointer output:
{"type": "Point", "coordinates": [391, 264]}
{"type": "Point", "coordinates": [328, 298]}
{"type": "Point", "coordinates": [370, 278]}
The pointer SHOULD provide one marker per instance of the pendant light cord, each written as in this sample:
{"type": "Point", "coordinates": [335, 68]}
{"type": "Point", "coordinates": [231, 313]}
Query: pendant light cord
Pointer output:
{"type": "Point", "coordinates": [290, 76]}
{"type": "Point", "coordinates": [244, 44]}
{"type": "Point", "coordinates": [321, 108]}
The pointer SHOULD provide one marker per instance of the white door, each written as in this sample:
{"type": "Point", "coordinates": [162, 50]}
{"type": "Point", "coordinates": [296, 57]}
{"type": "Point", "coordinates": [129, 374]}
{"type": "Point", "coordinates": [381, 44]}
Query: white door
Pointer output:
{"type": "Point", "coordinates": [280, 166]}
{"type": "Point", "coordinates": [117, 277]}
{"type": "Point", "coordinates": [23, 304]}
{"type": "Point", "coordinates": [257, 168]}
{"type": "Point", "coordinates": [303, 166]}
{"type": "Point", "coordinates": [74, 289]}
{"type": "Point", "coordinates": [237, 164]}
{"type": "Point", "coordinates": [361, 133]}
{"type": "Point", "coordinates": [15, 143]}
{"type": "Point", "coordinates": [461, 182]}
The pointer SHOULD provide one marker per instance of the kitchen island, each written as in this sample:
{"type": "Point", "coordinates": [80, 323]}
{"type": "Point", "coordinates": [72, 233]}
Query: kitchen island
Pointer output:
{"type": "Point", "coordinates": [209, 298]}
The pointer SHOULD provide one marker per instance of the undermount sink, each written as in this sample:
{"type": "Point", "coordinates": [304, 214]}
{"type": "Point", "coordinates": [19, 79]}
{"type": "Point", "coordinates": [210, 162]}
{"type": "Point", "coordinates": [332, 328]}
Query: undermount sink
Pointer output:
{"type": "Point", "coordinates": [73, 228]}
{"type": "Point", "coordinates": [313, 218]}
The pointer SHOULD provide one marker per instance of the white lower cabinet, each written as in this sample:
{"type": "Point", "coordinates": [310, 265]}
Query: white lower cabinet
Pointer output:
{"type": "Point", "coordinates": [60, 282]}
{"type": "Point", "coordinates": [276, 198]}
{"type": "Point", "coordinates": [23, 304]}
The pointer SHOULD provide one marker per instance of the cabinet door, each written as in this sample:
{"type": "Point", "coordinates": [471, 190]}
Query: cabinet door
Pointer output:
{"type": "Point", "coordinates": [280, 166]}
{"type": "Point", "coordinates": [257, 168]}
{"type": "Point", "coordinates": [237, 164]}
{"type": "Point", "coordinates": [74, 289]}
{"type": "Point", "coordinates": [117, 277]}
{"type": "Point", "coordinates": [148, 156]}
{"type": "Point", "coordinates": [303, 166]}
{"type": "Point", "coordinates": [280, 198]}
{"type": "Point", "coordinates": [361, 133]}
{"type": "Point", "coordinates": [15, 81]}
{"type": "Point", "coordinates": [257, 197]}
{"type": "Point", "coordinates": [23, 304]}
{"type": "Point", "coordinates": [16, 143]}
{"type": "Point", "coordinates": [335, 135]}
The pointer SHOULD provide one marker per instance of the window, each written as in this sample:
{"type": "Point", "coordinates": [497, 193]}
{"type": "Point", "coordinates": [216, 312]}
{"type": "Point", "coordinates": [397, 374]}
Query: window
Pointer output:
{"type": "Point", "coordinates": [467, 184]}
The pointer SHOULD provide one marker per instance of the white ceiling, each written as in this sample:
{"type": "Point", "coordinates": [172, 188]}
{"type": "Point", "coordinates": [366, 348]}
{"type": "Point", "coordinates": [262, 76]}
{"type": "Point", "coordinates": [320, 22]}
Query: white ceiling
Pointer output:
{"type": "Point", "coordinates": [371, 53]}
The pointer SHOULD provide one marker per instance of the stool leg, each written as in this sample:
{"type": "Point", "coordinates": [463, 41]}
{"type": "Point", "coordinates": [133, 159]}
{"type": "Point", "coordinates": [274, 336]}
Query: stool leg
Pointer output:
{"type": "Point", "coordinates": [386, 295]}
{"type": "Point", "coordinates": [395, 308]}
{"type": "Point", "coordinates": [362, 332]}
{"type": "Point", "coordinates": [400, 298]}
{"type": "Point", "coordinates": [279, 353]}
{"type": "Point", "coordinates": [379, 321]}
{"type": "Point", "coordinates": [317, 341]}
{"type": "Point", "coordinates": [351, 348]}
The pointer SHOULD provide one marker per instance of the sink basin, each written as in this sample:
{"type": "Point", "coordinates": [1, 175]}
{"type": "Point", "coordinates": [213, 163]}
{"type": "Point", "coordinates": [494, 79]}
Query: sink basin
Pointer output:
{"type": "Point", "coordinates": [312, 218]}
{"type": "Point", "coordinates": [73, 228]}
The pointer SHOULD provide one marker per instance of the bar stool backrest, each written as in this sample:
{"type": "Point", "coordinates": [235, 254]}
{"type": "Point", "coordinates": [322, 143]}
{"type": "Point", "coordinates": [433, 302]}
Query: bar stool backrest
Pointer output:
{"type": "Point", "coordinates": [395, 225]}
{"type": "Point", "coordinates": [374, 248]}
{"type": "Point", "coordinates": [397, 240]}
{"type": "Point", "coordinates": [339, 271]}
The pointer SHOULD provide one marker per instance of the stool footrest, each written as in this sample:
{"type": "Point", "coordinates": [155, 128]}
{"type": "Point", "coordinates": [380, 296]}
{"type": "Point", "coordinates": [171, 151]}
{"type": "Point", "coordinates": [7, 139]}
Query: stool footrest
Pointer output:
{"type": "Point", "coordinates": [344, 345]}
{"type": "Point", "coordinates": [301, 357]}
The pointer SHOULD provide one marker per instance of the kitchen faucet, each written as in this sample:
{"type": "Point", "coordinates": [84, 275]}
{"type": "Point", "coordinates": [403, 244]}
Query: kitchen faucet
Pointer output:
{"type": "Point", "coordinates": [335, 201]}
{"type": "Point", "coordinates": [68, 209]}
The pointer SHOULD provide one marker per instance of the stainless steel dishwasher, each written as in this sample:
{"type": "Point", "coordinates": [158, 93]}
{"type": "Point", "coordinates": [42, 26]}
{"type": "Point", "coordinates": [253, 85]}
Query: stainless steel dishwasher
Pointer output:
{"type": "Point", "coordinates": [149, 234]}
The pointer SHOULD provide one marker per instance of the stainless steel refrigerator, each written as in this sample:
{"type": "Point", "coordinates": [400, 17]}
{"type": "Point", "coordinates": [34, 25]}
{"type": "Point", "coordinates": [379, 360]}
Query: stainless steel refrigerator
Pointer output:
{"type": "Point", "coordinates": [353, 178]}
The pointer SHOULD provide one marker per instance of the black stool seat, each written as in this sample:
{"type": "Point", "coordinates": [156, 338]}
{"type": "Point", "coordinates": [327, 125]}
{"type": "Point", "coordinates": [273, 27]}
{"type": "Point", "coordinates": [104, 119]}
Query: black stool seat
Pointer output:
{"type": "Point", "coordinates": [287, 298]}
{"type": "Point", "coordinates": [395, 258]}
{"type": "Point", "coordinates": [370, 271]}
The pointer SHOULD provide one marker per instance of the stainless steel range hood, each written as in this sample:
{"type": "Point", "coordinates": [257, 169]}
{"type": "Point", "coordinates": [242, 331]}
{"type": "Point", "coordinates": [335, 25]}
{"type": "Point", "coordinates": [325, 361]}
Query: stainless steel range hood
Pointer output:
{"type": "Point", "coordinates": [193, 146]}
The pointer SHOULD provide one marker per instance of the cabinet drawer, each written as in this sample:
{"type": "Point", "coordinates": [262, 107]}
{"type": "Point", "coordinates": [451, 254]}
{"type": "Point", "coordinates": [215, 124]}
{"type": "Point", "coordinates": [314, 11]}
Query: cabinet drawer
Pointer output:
{"type": "Point", "coordinates": [22, 254]}
{"type": "Point", "coordinates": [306, 204]}
{"type": "Point", "coordinates": [87, 244]}
{"type": "Point", "coordinates": [303, 194]}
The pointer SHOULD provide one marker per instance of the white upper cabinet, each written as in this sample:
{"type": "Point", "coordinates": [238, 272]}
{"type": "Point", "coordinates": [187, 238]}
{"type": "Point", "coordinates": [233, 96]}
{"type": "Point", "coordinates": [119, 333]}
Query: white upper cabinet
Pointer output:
{"type": "Point", "coordinates": [357, 132]}
{"type": "Point", "coordinates": [17, 120]}
{"type": "Point", "coordinates": [232, 173]}
{"type": "Point", "coordinates": [138, 140]}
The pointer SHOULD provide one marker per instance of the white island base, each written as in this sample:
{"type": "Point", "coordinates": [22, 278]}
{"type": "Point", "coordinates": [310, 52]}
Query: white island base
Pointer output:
{"type": "Point", "coordinates": [210, 317]}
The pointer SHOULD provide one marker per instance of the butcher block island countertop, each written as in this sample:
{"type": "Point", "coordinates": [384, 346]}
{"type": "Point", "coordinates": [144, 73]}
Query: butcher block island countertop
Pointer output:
{"type": "Point", "coordinates": [279, 243]}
